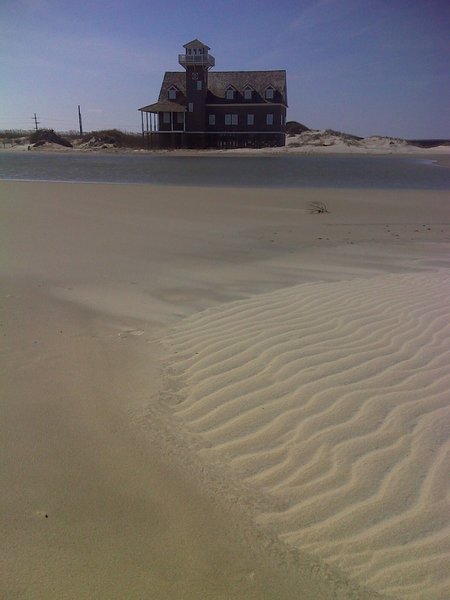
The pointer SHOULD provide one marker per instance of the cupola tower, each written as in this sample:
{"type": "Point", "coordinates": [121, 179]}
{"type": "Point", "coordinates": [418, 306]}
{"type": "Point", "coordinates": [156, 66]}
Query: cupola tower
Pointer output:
{"type": "Point", "coordinates": [196, 61]}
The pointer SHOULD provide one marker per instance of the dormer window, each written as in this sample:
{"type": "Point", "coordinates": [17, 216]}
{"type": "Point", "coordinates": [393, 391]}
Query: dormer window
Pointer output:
{"type": "Point", "coordinates": [172, 93]}
{"type": "Point", "coordinates": [229, 93]}
{"type": "Point", "coordinates": [248, 93]}
{"type": "Point", "coordinates": [269, 93]}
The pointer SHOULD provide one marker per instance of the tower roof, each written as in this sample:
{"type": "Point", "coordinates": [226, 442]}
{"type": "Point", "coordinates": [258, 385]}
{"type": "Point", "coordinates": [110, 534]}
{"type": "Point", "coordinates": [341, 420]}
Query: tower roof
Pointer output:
{"type": "Point", "coordinates": [196, 43]}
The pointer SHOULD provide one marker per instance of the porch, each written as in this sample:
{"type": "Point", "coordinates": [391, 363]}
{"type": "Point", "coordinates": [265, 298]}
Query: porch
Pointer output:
{"type": "Point", "coordinates": [163, 117]}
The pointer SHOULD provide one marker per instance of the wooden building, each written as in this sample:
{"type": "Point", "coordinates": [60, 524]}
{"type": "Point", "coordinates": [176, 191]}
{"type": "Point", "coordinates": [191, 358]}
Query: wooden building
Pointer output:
{"type": "Point", "coordinates": [218, 109]}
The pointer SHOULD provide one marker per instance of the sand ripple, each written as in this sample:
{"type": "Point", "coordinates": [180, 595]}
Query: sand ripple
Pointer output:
{"type": "Point", "coordinates": [333, 398]}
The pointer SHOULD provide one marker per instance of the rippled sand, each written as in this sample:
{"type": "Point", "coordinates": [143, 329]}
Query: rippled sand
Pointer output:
{"type": "Point", "coordinates": [333, 399]}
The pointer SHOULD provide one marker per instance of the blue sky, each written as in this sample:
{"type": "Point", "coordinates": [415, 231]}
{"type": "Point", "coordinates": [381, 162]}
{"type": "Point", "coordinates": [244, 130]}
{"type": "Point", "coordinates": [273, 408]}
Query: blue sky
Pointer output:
{"type": "Point", "coordinates": [363, 66]}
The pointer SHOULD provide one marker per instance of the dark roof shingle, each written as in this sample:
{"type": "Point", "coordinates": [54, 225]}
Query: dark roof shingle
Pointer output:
{"type": "Point", "coordinates": [218, 82]}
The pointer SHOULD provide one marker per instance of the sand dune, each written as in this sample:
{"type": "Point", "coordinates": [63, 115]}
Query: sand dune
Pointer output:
{"type": "Point", "coordinates": [333, 399]}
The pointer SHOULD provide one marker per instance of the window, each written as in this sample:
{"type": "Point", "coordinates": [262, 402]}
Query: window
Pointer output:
{"type": "Point", "coordinates": [269, 119]}
{"type": "Point", "coordinates": [250, 119]}
{"type": "Point", "coordinates": [166, 117]}
{"type": "Point", "coordinates": [191, 107]}
{"type": "Point", "coordinates": [172, 94]}
{"type": "Point", "coordinates": [269, 93]}
{"type": "Point", "coordinates": [180, 117]}
{"type": "Point", "coordinates": [248, 92]}
{"type": "Point", "coordinates": [229, 94]}
{"type": "Point", "coordinates": [199, 84]}
{"type": "Point", "coordinates": [212, 119]}
{"type": "Point", "coordinates": [231, 119]}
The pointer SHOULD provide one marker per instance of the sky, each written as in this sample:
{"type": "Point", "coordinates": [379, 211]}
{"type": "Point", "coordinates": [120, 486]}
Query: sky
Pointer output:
{"type": "Point", "coordinates": [367, 67]}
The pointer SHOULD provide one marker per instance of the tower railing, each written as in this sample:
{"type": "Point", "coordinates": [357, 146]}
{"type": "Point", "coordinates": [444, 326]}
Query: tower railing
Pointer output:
{"type": "Point", "coordinates": [204, 60]}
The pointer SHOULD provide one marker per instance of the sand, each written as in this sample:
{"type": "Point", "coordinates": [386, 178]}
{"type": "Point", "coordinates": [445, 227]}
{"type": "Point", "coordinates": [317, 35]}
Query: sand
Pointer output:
{"type": "Point", "coordinates": [213, 393]}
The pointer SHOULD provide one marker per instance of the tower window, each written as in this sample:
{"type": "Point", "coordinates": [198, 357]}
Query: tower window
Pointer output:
{"type": "Point", "coordinates": [172, 94]}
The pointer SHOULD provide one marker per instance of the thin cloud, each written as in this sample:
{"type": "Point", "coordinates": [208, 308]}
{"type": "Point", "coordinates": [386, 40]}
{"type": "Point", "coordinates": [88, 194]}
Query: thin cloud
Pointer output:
{"type": "Point", "coordinates": [322, 12]}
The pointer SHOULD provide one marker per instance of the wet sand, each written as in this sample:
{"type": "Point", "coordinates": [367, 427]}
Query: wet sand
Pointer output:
{"type": "Point", "coordinates": [106, 490]}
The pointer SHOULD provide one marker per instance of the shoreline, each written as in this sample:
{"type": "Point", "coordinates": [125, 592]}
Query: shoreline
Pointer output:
{"type": "Point", "coordinates": [94, 283]}
{"type": "Point", "coordinates": [441, 157]}
{"type": "Point", "coordinates": [438, 154]}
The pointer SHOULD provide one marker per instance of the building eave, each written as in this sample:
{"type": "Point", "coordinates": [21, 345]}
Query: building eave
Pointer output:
{"type": "Point", "coordinates": [163, 107]}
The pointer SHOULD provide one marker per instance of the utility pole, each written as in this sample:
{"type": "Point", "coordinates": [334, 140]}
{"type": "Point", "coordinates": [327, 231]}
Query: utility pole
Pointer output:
{"type": "Point", "coordinates": [36, 122]}
{"type": "Point", "coordinates": [80, 121]}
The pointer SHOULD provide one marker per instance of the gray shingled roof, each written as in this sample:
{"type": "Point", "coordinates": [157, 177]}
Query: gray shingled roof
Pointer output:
{"type": "Point", "coordinates": [218, 81]}
{"type": "Point", "coordinates": [178, 79]}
